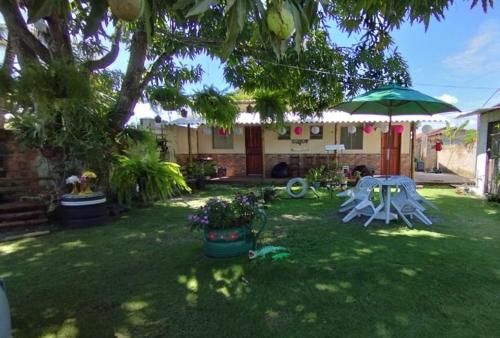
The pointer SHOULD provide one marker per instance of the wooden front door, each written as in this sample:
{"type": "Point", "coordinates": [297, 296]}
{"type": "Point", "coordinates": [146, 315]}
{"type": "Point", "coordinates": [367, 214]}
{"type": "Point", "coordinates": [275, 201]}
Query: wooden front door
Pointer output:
{"type": "Point", "coordinates": [393, 166]}
{"type": "Point", "coordinates": [253, 146]}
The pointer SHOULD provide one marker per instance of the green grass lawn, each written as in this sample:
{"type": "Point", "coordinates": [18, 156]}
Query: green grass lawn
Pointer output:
{"type": "Point", "coordinates": [145, 276]}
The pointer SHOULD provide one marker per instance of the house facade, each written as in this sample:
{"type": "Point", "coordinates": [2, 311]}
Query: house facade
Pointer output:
{"type": "Point", "coordinates": [253, 148]}
{"type": "Point", "coordinates": [488, 150]}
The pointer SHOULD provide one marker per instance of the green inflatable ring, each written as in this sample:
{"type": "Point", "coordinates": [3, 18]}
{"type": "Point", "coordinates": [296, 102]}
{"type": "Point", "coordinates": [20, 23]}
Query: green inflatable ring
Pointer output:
{"type": "Point", "coordinates": [292, 182]}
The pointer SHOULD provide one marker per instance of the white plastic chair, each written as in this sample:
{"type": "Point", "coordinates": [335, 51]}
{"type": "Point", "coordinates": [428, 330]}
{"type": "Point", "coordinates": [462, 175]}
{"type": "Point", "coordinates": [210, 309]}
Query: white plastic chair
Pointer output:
{"type": "Point", "coordinates": [411, 188]}
{"type": "Point", "coordinates": [405, 205]}
{"type": "Point", "coordinates": [354, 194]}
{"type": "Point", "coordinates": [362, 201]}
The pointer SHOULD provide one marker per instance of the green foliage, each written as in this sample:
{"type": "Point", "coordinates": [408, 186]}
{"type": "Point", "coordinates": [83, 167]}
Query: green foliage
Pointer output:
{"type": "Point", "coordinates": [140, 173]}
{"type": "Point", "coordinates": [168, 97]}
{"type": "Point", "coordinates": [470, 138]}
{"type": "Point", "coordinates": [64, 109]}
{"type": "Point", "coordinates": [316, 174]}
{"type": "Point", "coordinates": [215, 107]}
{"type": "Point", "coordinates": [271, 106]}
{"type": "Point", "coordinates": [321, 76]}
{"type": "Point", "coordinates": [220, 214]}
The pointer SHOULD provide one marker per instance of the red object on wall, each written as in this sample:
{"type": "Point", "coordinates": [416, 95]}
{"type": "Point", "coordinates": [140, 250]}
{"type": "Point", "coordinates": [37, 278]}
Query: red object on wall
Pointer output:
{"type": "Point", "coordinates": [298, 130]}
{"type": "Point", "coordinates": [222, 132]}
{"type": "Point", "coordinates": [368, 128]}
{"type": "Point", "coordinates": [439, 146]}
{"type": "Point", "coordinates": [399, 128]}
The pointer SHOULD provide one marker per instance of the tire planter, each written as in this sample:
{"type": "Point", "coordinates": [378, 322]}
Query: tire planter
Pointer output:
{"type": "Point", "coordinates": [228, 242]}
{"type": "Point", "coordinates": [78, 211]}
{"type": "Point", "coordinates": [294, 181]}
{"type": "Point", "coordinates": [232, 242]}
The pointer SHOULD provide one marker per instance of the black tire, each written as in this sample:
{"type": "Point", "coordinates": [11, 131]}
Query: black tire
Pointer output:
{"type": "Point", "coordinates": [87, 211]}
{"type": "Point", "coordinates": [85, 222]}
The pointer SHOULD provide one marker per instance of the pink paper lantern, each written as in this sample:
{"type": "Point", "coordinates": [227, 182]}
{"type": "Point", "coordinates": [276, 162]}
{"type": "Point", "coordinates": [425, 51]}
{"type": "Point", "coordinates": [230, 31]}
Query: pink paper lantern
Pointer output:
{"type": "Point", "coordinates": [298, 130]}
{"type": "Point", "coordinates": [368, 128]}
{"type": "Point", "coordinates": [222, 132]}
{"type": "Point", "coordinates": [399, 129]}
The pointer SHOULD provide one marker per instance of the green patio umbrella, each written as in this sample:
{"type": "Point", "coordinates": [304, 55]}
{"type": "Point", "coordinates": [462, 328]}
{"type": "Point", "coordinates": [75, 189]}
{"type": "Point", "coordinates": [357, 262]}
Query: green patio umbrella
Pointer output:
{"type": "Point", "coordinates": [393, 100]}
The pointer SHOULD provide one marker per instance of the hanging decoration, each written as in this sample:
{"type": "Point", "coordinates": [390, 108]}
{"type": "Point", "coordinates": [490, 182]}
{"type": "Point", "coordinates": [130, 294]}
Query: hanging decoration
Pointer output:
{"type": "Point", "coordinates": [158, 119]}
{"type": "Point", "coordinates": [399, 128]}
{"type": "Point", "coordinates": [315, 130]}
{"type": "Point", "coordinates": [207, 131]}
{"type": "Point", "coordinates": [184, 112]}
{"type": "Point", "coordinates": [438, 146]}
{"type": "Point", "coordinates": [282, 131]}
{"type": "Point", "coordinates": [384, 129]}
{"type": "Point", "coordinates": [222, 132]}
{"type": "Point", "coordinates": [351, 129]}
{"type": "Point", "coordinates": [298, 130]}
{"type": "Point", "coordinates": [238, 131]}
{"type": "Point", "coordinates": [368, 128]}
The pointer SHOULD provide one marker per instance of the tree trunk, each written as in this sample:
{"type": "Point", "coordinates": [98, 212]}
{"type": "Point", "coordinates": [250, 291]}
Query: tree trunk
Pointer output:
{"type": "Point", "coordinates": [132, 85]}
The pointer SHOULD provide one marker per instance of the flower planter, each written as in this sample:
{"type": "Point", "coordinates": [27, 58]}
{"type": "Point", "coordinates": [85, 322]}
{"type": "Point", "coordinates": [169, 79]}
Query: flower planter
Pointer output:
{"type": "Point", "coordinates": [231, 242]}
{"type": "Point", "coordinates": [228, 242]}
{"type": "Point", "coordinates": [83, 210]}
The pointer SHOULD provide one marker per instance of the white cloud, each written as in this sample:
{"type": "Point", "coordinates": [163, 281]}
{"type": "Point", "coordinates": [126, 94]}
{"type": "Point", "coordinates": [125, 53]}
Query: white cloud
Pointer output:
{"type": "Point", "coordinates": [448, 98]}
{"type": "Point", "coordinates": [481, 53]}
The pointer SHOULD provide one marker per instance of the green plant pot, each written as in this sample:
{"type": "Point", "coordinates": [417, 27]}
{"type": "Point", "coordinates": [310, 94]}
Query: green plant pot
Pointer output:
{"type": "Point", "coordinates": [230, 242]}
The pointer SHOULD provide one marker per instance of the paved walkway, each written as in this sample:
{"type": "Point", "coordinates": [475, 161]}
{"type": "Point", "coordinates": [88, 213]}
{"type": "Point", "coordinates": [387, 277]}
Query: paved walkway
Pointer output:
{"type": "Point", "coordinates": [421, 178]}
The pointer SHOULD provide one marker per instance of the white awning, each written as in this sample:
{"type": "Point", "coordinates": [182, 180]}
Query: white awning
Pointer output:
{"type": "Point", "coordinates": [336, 116]}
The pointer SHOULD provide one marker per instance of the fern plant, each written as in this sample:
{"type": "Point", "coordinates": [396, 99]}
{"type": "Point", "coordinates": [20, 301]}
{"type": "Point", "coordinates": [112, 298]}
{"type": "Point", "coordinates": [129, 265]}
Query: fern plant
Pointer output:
{"type": "Point", "coordinates": [215, 107]}
{"type": "Point", "coordinates": [140, 173]}
{"type": "Point", "coordinates": [271, 106]}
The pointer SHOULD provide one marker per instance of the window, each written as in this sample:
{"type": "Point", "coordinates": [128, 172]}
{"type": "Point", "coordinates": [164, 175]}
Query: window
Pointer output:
{"type": "Point", "coordinates": [351, 141]}
{"type": "Point", "coordinates": [316, 132]}
{"type": "Point", "coordinates": [284, 133]}
{"type": "Point", "coordinates": [221, 141]}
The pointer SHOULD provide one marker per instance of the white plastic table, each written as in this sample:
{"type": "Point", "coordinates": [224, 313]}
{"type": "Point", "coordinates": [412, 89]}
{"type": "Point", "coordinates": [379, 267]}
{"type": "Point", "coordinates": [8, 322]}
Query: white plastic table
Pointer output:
{"type": "Point", "coordinates": [387, 182]}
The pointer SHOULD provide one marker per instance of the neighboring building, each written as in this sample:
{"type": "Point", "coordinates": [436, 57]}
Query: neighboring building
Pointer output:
{"type": "Point", "coordinates": [488, 150]}
{"type": "Point", "coordinates": [253, 148]}
{"type": "Point", "coordinates": [454, 157]}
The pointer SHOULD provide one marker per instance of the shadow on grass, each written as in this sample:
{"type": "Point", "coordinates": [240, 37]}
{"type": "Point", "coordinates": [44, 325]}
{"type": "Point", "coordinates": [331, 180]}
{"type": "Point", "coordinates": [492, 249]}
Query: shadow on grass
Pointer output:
{"type": "Point", "coordinates": [144, 276]}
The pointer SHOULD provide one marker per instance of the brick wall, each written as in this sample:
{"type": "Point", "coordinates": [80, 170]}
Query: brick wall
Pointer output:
{"type": "Point", "coordinates": [16, 161]}
{"type": "Point", "coordinates": [235, 164]}
{"type": "Point", "coordinates": [299, 164]}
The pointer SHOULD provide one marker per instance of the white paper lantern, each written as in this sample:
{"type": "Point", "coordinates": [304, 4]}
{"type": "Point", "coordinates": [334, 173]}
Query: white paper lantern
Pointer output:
{"type": "Point", "coordinates": [207, 131]}
{"type": "Point", "coordinates": [351, 129]}
{"type": "Point", "coordinates": [315, 130]}
{"type": "Point", "coordinates": [282, 131]}
{"type": "Point", "coordinates": [384, 128]}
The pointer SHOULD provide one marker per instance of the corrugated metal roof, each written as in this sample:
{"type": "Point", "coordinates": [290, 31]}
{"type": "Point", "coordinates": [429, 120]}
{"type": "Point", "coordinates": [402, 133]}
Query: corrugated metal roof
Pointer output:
{"type": "Point", "coordinates": [336, 116]}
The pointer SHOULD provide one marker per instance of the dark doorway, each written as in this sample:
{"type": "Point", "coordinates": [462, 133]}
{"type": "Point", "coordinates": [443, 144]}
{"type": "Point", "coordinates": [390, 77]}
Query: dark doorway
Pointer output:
{"type": "Point", "coordinates": [253, 146]}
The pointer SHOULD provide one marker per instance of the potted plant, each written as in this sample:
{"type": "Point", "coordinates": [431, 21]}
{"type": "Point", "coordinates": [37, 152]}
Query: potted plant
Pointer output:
{"type": "Point", "coordinates": [230, 228]}
{"type": "Point", "coordinates": [268, 194]}
{"type": "Point", "coordinates": [341, 180]}
{"type": "Point", "coordinates": [196, 172]}
{"type": "Point", "coordinates": [315, 176]}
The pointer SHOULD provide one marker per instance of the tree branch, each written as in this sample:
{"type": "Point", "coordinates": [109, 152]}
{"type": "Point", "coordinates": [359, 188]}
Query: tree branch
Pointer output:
{"type": "Point", "coordinates": [130, 90]}
{"type": "Point", "coordinates": [20, 32]}
{"type": "Point", "coordinates": [110, 57]}
{"type": "Point", "coordinates": [153, 70]}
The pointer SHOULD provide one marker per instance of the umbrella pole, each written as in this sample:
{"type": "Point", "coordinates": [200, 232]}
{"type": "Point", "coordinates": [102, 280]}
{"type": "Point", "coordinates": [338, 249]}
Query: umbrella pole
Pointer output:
{"type": "Point", "coordinates": [189, 142]}
{"type": "Point", "coordinates": [388, 150]}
